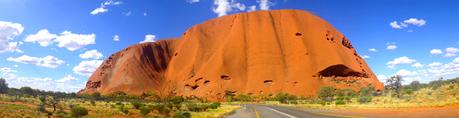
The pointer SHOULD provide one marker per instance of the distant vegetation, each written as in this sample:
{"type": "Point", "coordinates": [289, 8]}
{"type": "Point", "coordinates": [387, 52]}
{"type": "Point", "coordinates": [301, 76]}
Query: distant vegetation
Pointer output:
{"type": "Point", "coordinates": [38, 103]}
{"type": "Point", "coordinates": [435, 93]}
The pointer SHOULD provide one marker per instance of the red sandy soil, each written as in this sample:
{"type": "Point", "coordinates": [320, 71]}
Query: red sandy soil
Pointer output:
{"type": "Point", "coordinates": [261, 52]}
{"type": "Point", "coordinates": [448, 111]}
{"type": "Point", "coordinates": [18, 103]}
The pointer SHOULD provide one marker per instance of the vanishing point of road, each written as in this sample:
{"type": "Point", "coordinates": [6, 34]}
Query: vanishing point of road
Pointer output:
{"type": "Point", "coordinates": [265, 111]}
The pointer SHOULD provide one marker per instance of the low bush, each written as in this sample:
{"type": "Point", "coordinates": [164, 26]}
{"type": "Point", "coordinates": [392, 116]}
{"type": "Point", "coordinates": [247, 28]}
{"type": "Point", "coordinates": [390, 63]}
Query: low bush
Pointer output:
{"type": "Point", "coordinates": [177, 100]}
{"type": "Point", "coordinates": [41, 108]}
{"type": "Point", "coordinates": [182, 114]}
{"type": "Point", "coordinates": [93, 103]}
{"type": "Point", "coordinates": [123, 109]}
{"type": "Point", "coordinates": [215, 105]}
{"type": "Point", "coordinates": [326, 93]}
{"type": "Point", "coordinates": [284, 97]}
{"type": "Point", "coordinates": [243, 98]}
{"type": "Point", "coordinates": [366, 94]}
{"type": "Point", "coordinates": [144, 110]}
{"type": "Point", "coordinates": [136, 104]}
{"type": "Point", "coordinates": [78, 112]}
{"type": "Point", "coordinates": [339, 102]}
{"type": "Point", "coordinates": [197, 107]}
{"type": "Point", "coordinates": [161, 108]}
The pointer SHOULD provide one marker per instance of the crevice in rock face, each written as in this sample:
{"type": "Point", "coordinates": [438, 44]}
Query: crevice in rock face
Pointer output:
{"type": "Point", "coordinates": [191, 87]}
{"type": "Point", "coordinates": [225, 77]}
{"type": "Point", "coordinates": [206, 82]}
{"type": "Point", "coordinates": [341, 71]}
{"type": "Point", "coordinates": [268, 82]}
{"type": "Point", "coordinates": [197, 80]}
{"type": "Point", "coordinates": [346, 43]}
{"type": "Point", "coordinates": [295, 83]}
{"type": "Point", "coordinates": [91, 84]}
{"type": "Point", "coordinates": [298, 34]}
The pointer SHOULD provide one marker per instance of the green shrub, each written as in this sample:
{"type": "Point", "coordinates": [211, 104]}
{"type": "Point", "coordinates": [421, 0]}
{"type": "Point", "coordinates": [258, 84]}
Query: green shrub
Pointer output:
{"type": "Point", "coordinates": [339, 102]}
{"type": "Point", "coordinates": [93, 103]}
{"type": "Point", "coordinates": [177, 100]}
{"type": "Point", "coordinates": [326, 93]}
{"type": "Point", "coordinates": [322, 102]}
{"type": "Point", "coordinates": [136, 104]}
{"type": "Point", "coordinates": [144, 110]}
{"type": "Point", "coordinates": [284, 97]}
{"type": "Point", "coordinates": [197, 107]}
{"type": "Point", "coordinates": [366, 94]}
{"type": "Point", "coordinates": [345, 95]}
{"type": "Point", "coordinates": [243, 98]}
{"type": "Point", "coordinates": [60, 114]}
{"type": "Point", "coordinates": [41, 108]}
{"type": "Point", "coordinates": [78, 111]}
{"type": "Point", "coordinates": [365, 99]}
{"type": "Point", "coordinates": [161, 108]}
{"type": "Point", "coordinates": [215, 105]}
{"type": "Point", "coordinates": [123, 109]}
{"type": "Point", "coordinates": [182, 114]}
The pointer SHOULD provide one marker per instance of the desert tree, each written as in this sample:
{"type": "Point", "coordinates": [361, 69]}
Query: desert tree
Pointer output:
{"type": "Point", "coordinates": [3, 86]}
{"type": "Point", "coordinates": [415, 85]}
{"type": "Point", "coordinates": [394, 84]}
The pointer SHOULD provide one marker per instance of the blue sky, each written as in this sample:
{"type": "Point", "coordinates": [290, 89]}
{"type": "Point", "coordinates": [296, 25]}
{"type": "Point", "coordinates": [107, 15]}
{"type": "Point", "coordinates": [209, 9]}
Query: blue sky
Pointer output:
{"type": "Point", "coordinates": [56, 44]}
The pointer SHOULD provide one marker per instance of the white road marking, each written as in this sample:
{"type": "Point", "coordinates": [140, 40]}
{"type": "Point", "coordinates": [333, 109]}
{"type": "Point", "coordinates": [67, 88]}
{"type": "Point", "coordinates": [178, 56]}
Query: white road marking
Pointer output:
{"type": "Point", "coordinates": [285, 114]}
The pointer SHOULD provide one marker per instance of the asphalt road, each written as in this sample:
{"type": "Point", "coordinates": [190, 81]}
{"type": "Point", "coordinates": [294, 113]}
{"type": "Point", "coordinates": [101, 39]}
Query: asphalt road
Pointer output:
{"type": "Point", "coordinates": [264, 111]}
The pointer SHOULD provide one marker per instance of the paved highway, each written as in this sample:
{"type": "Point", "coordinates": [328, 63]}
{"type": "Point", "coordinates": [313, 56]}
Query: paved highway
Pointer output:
{"type": "Point", "coordinates": [265, 111]}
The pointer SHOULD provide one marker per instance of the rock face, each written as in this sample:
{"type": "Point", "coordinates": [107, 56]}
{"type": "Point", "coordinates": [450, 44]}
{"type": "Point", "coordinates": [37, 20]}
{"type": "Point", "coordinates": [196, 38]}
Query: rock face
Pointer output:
{"type": "Point", "coordinates": [261, 52]}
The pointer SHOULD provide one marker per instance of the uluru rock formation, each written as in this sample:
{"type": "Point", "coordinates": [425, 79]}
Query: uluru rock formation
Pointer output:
{"type": "Point", "coordinates": [261, 52]}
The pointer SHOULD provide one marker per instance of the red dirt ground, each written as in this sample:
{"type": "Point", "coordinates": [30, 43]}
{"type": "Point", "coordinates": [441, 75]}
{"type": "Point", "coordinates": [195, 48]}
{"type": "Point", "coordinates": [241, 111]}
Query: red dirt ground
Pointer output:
{"type": "Point", "coordinates": [449, 111]}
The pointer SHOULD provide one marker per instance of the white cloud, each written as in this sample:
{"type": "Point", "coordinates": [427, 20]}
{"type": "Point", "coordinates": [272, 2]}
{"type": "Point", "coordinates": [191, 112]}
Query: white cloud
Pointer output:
{"type": "Point", "coordinates": [391, 47]}
{"type": "Point", "coordinates": [43, 37]}
{"type": "Point", "coordinates": [145, 13]}
{"type": "Point", "coordinates": [86, 68]}
{"type": "Point", "coordinates": [252, 8]}
{"type": "Point", "coordinates": [435, 64]}
{"type": "Point", "coordinates": [372, 50]}
{"type": "Point", "coordinates": [432, 71]}
{"type": "Point", "coordinates": [8, 31]}
{"type": "Point", "coordinates": [395, 25]}
{"type": "Point", "coordinates": [264, 4]}
{"type": "Point", "coordinates": [67, 78]}
{"type": "Point", "coordinates": [405, 73]}
{"type": "Point", "coordinates": [47, 61]}
{"type": "Point", "coordinates": [92, 54]}
{"type": "Point", "coordinates": [456, 60]}
{"type": "Point", "coordinates": [415, 21]}
{"type": "Point", "coordinates": [223, 7]}
{"type": "Point", "coordinates": [382, 77]}
{"type": "Point", "coordinates": [99, 10]}
{"type": "Point", "coordinates": [451, 52]}
{"type": "Point", "coordinates": [192, 1]}
{"type": "Point", "coordinates": [127, 13]}
{"type": "Point", "coordinates": [103, 7]}
{"type": "Point", "coordinates": [73, 41]}
{"type": "Point", "coordinates": [365, 56]}
{"type": "Point", "coordinates": [417, 65]}
{"type": "Point", "coordinates": [407, 22]}
{"type": "Point", "coordinates": [116, 38]}
{"type": "Point", "coordinates": [149, 38]}
{"type": "Point", "coordinates": [5, 71]}
{"type": "Point", "coordinates": [400, 60]}
{"type": "Point", "coordinates": [66, 84]}
{"type": "Point", "coordinates": [436, 51]}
